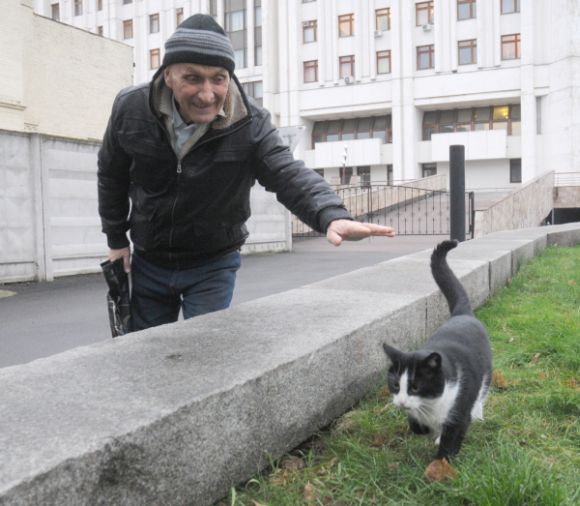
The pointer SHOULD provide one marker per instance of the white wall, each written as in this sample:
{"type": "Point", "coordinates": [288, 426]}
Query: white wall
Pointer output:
{"type": "Point", "coordinates": [49, 224]}
{"type": "Point", "coordinates": [55, 79]}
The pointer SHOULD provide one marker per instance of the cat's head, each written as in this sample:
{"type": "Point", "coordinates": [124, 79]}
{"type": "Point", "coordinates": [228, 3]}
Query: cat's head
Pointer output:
{"type": "Point", "coordinates": [414, 377]}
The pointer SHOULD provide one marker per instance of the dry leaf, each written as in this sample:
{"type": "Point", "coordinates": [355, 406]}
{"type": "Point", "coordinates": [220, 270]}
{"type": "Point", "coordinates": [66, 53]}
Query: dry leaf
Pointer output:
{"type": "Point", "coordinates": [394, 466]}
{"type": "Point", "coordinates": [378, 441]}
{"type": "Point", "coordinates": [256, 503]}
{"type": "Point", "coordinates": [498, 380]}
{"type": "Point", "coordinates": [384, 393]}
{"type": "Point", "coordinates": [542, 375]}
{"type": "Point", "coordinates": [440, 470]}
{"type": "Point", "coordinates": [572, 282]}
{"type": "Point", "coordinates": [293, 463]}
{"type": "Point", "coordinates": [573, 383]}
{"type": "Point", "coordinates": [536, 358]}
{"type": "Point", "coordinates": [309, 493]}
{"type": "Point", "coordinates": [280, 478]}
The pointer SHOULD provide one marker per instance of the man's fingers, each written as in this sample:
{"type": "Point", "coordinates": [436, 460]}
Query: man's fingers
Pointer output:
{"type": "Point", "coordinates": [380, 230]}
{"type": "Point", "coordinates": [333, 238]}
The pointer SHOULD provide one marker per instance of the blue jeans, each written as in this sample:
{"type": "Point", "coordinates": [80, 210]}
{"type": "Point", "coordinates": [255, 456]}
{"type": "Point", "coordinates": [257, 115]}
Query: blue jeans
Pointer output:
{"type": "Point", "coordinates": [158, 294]}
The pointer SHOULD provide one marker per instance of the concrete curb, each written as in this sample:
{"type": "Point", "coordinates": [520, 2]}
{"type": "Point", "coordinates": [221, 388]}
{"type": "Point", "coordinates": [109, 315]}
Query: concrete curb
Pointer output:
{"type": "Point", "coordinates": [180, 413]}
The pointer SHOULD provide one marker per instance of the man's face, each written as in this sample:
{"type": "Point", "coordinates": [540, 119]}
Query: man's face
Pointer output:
{"type": "Point", "coordinates": [199, 90]}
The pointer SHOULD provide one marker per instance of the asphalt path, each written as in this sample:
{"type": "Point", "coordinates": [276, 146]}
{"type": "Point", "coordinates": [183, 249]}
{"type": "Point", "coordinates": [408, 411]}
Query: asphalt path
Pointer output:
{"type": "Point", "coordinates": [41, 319]}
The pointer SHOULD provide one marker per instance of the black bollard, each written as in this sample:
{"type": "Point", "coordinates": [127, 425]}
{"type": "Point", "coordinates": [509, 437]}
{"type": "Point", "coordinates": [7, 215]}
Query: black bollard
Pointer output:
{"type": "Point", "coordinates": [457, 192]}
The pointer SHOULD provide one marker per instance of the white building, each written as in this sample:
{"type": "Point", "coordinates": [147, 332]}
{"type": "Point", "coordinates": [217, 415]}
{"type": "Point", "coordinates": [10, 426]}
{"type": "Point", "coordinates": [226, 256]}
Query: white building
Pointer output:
{"type": "Point", "coordinates": [383, 87]}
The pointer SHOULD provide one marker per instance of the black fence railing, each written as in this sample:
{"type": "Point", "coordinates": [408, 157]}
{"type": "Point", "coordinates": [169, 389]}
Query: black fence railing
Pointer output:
{"type": "Point", "coordinates": [410, 211]}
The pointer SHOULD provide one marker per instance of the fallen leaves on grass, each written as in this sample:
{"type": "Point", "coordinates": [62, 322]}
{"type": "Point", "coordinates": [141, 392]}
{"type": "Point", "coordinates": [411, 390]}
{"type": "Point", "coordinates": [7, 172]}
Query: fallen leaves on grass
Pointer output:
{"type": "Point", "coordinates": [309, 493]}
{"type": "Point", "coordinates": [498, 380]}
{"type": "Point", "coordinates": [293, 463]}
{"type": "Point", "coordinates": [440, 470]}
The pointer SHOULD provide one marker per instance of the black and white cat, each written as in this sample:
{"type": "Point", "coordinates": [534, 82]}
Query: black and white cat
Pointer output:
{"type": "Point", "coordinates": [443, 385]}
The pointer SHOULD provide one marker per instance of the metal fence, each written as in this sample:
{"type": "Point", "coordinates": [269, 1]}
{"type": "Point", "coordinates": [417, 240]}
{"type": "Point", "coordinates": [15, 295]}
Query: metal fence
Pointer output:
{"type": "Point", "coordinates": [410, 211]}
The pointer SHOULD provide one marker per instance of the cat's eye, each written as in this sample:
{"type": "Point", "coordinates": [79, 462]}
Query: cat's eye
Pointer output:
{"type": "Point", "coordinates": [414, 388]}
{"type": "Point", "coordinates": [396, 385]}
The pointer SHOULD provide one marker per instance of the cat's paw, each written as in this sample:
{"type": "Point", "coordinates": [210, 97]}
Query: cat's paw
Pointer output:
{"type": "Point", "coordinates": [440, 470]}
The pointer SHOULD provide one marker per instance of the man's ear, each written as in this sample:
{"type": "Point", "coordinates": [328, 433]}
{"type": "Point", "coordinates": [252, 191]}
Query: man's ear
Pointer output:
{"type": "Point", "coordinates": [167, 76]}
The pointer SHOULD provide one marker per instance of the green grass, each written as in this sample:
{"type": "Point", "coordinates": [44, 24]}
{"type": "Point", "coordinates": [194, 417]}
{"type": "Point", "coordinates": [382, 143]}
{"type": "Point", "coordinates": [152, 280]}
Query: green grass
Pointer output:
{"type": "Point", "coordinates": [526, 452]}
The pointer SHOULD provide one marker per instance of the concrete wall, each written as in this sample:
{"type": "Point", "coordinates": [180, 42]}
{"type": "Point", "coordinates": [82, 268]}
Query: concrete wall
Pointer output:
{"type": "Point", "coordinates": [525, 207]}
{"type": "Point", "coordinates": [180, 413]}
{"type": "Point", "coordinates": [49, 225]}
{"type": "Point", "coordinates": [56, 79]}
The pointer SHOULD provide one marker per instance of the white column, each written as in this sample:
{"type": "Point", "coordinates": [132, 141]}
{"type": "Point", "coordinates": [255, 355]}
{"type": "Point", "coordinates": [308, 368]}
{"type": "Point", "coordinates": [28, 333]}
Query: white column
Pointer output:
{"type": "Point", "coordinates": [528, 98]}
{"type": "Point", "coordinates": [404, 117]}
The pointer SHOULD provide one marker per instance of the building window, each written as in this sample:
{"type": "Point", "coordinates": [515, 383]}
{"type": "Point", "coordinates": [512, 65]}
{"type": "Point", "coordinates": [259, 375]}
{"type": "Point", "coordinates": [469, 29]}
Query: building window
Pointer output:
{"type": "Point", "coordinates": [364, 173]}
{"type": "Point", "coordinates": [308, 1]}
{"type": "Point", "coordinates": [311, 71]}
{"type": "Point", "coordinates": [382, 129]}
{"type": "Point", "coordinates": [504, 117]}
{"type": "Point", "coordinates": [55, 12]}
{"type": "Point", "coordinates": [309, 29]}
{"type": "Point", "coordinates": [428, 169]}
{"type": "Point", "coordinates": [510, 47]}
{"type": "Point", "coordinates": [235, 26]}
{"type": "Point", "coordinates": [99, 5]}
{"type": "Point", "coordinates": [424, 13]}
{"type": "Point", "coordinates": [378, 127]}
{"type": "Point", "coordinates": [466, 9]}
{"type": "Point", "coordinates": [390, 174]}
{"type": "Point", "coordinates": [255, 90]}
{"type": "Point", "coordinates": [346, 66]}
{"type": "Point", "coordinates": [153, 23]}
{"type": "Point", "coordinates": [346, 25]}
{"type": "Point", "coordinates": [467, 52]}
{"type": "Point", "coordinates": [510, 6]}
{"type": "Point", "coordinates": [178, 16]}
{"type": "Point", "coordinates": [154, 58]}
{"type": "Point", "coordinates": [515, 170]}
{"type": "Point", "coordinates": [128, 29]}
{"type": "Point", "coordinates": [383, 19]}
{"type": "Point", "coordinates": [320, 172]}
{"type": "Point", "coordinates": [125, 2]}
{"type": "Point", "coordinates": [258, 32]}
{"type": "Point", "coordinates": [384, 62]}
{"type": "Point", "coordinates": [425, 57]}
{"type": "Point", "coordinates": [78, 7]}
{"type": "Point", "coordinates": [100, 30]}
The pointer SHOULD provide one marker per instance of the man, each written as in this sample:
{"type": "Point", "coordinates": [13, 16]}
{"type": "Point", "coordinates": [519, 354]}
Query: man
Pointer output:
{"type": "Point", "coordinates": [178, 160]}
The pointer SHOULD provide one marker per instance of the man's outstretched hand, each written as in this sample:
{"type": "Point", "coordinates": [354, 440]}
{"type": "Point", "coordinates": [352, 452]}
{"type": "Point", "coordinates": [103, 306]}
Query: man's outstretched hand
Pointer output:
{"type": "Point", "coordinates": [347, 230]}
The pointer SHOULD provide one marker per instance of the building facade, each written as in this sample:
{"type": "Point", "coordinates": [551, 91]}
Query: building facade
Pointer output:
{"type": "Point", "coordinates": [382, 88]}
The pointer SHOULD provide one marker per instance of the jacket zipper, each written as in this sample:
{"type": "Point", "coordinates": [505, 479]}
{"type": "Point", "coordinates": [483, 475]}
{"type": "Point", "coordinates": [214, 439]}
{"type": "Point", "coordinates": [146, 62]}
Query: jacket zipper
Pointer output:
{"type": "Point", "coordinates": [179, 171]}
{"type": "Point", "coordinates": [173, 212]}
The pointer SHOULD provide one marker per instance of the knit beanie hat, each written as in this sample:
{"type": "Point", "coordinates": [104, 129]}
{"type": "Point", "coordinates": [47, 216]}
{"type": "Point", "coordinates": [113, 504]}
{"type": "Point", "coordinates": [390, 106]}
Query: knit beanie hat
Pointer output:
{"type": "Point", "coordinates": [200, 39]}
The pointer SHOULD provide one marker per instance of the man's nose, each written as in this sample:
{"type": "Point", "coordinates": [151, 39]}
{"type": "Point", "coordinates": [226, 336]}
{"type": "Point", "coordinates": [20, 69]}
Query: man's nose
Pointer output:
{"type": "Point", "coordinates": [206, 92]}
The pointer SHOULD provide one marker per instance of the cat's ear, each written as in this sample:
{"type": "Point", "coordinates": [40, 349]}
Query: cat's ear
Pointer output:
{"type": "Point", "coordinates": [432, 362]}
{"type": "Point", "coordinates": [392, 353]}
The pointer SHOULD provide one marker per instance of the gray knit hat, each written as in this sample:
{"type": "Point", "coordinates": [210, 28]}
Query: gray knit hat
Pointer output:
{"type": "Point", "coordinates": [200, 39]}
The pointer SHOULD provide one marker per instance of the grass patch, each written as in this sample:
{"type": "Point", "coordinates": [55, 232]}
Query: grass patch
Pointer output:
{"type": "Point", "coordinates": [527, 450]}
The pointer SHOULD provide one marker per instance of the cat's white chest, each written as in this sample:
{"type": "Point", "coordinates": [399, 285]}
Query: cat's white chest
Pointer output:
{"type": "Point", "coordinates": [429, 412]}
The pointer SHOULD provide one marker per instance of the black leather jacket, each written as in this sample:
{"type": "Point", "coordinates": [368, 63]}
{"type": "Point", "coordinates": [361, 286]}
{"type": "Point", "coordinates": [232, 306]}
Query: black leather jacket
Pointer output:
{"type": "Point", "coordinates": [183, 212]}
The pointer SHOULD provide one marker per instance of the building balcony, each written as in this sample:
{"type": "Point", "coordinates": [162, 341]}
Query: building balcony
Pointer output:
{"type": "Point", "coordinates": [358, 153]}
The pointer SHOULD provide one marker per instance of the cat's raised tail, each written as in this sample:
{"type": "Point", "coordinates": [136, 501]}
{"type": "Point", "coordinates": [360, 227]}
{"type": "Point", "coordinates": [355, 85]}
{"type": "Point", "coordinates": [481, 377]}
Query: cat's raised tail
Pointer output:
{"type": "Point", "coordinates": [447, 281]}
